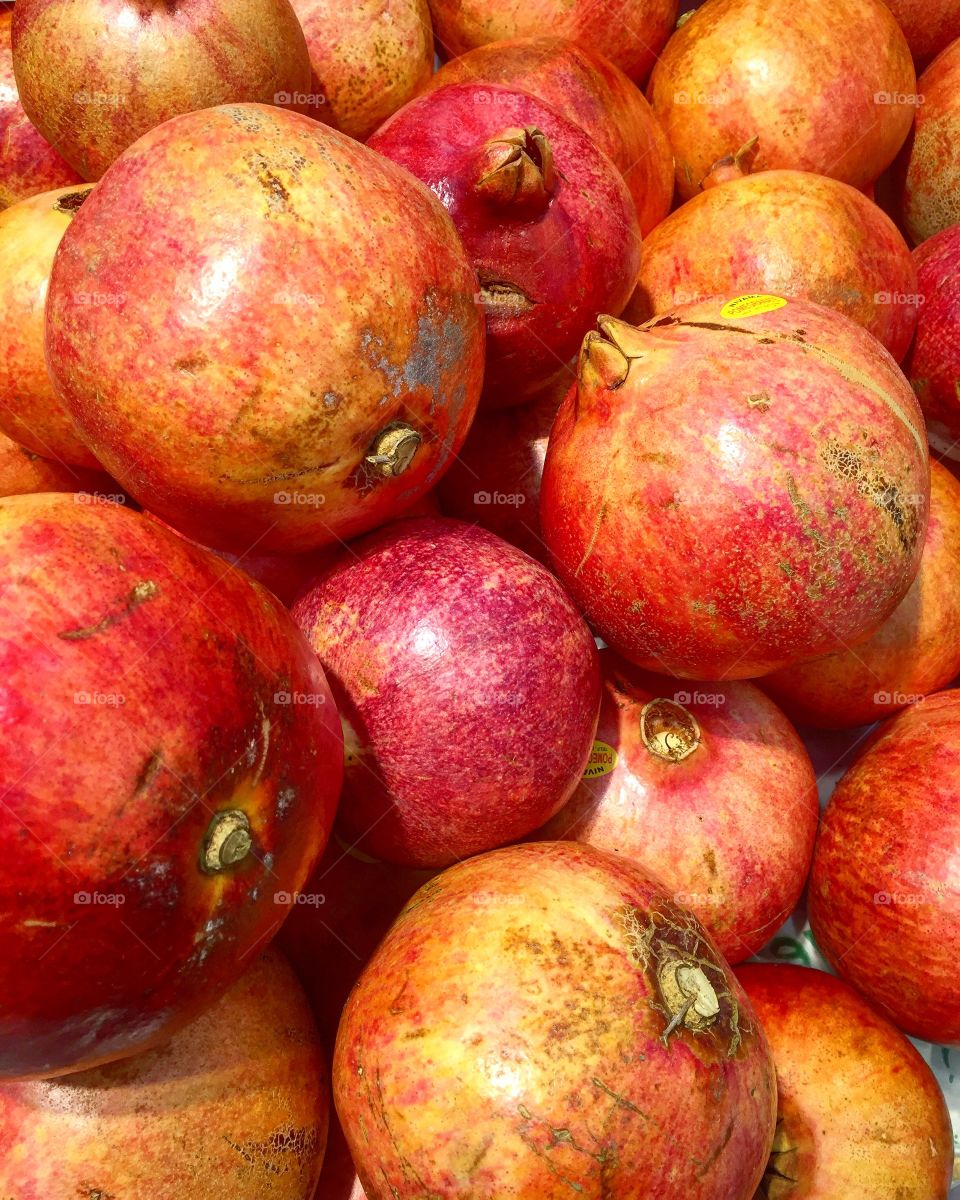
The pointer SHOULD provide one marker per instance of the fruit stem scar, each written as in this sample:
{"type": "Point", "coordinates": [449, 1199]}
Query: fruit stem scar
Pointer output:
{"type": "Point", "coordinates": [669, 730]}
{"type": "Point", "coordinates": [393, 450]}
{"type": "Point", "coordinates": [227, 841]}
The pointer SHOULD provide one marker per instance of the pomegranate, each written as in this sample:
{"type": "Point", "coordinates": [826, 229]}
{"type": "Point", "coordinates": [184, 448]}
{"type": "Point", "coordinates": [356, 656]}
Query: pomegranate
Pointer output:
{"type": "Point", "coordinates": [234, 1107]}
{"type": "Point", "coordinates": [790, 233]}
{"type": "Point", "coordinates": [336, 921]}
{"type": "Point", "coordinates": [96, 74]}
{"type": "Point", "coordinates": [28, 164]}
{"type": "Point", "coordinates": [859, 1111]}
{"type": "Point", "coordinates": [544, 215]}
{"type": "Point", "coordinates": [929, 25]}
{"type": "Point", "coordinates": [782, 517]}
{"type": "Point", "coordinates": [467, 685]}
{"type": "Point", "coordinates": [22, 471]}
{"type": "Point", "coordinates": [928, 170]}
{"type": "Point", "coordinates": [369, 58]}
{"type": "Point", "coordinates": [591, 92]}
{"type": "Point", "coordinates": [884, 894]}
{"type": "Point", "coordinates": [30, 411]}
{"type": "Point", "coordinates": [172, 758]}
{"type": "Point", "coordinates": [630, 33]}
{"type": "Point", "coordinates": [543, 1020]}
{"type": "Point", "coordinates": [495, 480]}
{"type": "Point", "coordinates": [915, 651]}
{"type": "Point", "coordinates": [827, 86]}
{"type": "Point", "coordinates": [683, 781]}
{"type": "Point", "coordinates": [274, 366]}
{"type": "Point", "coordinates": [934, 362]}
{"type": "Point", "coordinates": [338, 1179]}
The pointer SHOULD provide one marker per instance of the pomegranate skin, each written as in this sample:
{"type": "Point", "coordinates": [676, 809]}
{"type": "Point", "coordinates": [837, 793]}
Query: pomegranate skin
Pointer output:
{"type": "Point", "coordinates": [546, 269]}
{"type": "Point", "coordinates": [630, 33]}
{"type": "Point", "coordinates": [790, 233]}
{"type": "Point", "coordinates": [929, 25]}
{"type": "Point", "coordinates": [691, 777]}
{"type": "Point", "coordinates": [81, 66]}
{"type": "Point", "coordinates": [934, 362]}
{"type": "Point", "coordinates": [22, 472]}
{"type": "Point", "coordinates": [234, 1107]}
{"type": "Point", "coordinates": [928, 170]}
{"type": "Point", "coordinates": [460, 1058]}
{"type": "Point", "coordinates": [802, 79]}
{"type": "Point", "coordinates": [495, 481]}
{"type": "Point", "coordinates": [591, 92]}
{"type": "Point", "coordinates": [163, 757]}
{"type": "Point", "coordinates": [28, 163]}
{"type": "Point", "coordinates": [229, 383]}
{"type": "Point", "coordinates": [859, 1111]}
{"type": "Point", "coordinates": [30, 410]}
{"type": "Point", "coordinates": [368, 58]}
{"type": "Point", "coordinates": [884, 899]}
{"type": "Point", "coordinates": [467, 685]}
{"type": "Point", "coordinates": [782, 516]}
{"type": "Point", "coordinates": [914, 652]}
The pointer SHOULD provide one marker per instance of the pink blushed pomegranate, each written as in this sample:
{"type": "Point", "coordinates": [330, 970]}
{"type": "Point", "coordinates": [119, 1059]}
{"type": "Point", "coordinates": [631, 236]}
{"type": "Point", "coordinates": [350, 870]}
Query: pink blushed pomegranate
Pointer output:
{"type": "Point", "coordinates": [23, 472]}
{"type": "Point", "coordinates": [934, 362]}
{"type": "Point", "coordinates": [287, 349]}
{"type": "Point", "coordinates": [683, 782]}
{"type": "Point", "coordinates": [234, 1107]}
{"type": "Point", "coordinates": [495, 480]}
{"type": "Point", "coordinates": [544, 1020]}
{"type": "Point", "coordinates": [467, 685]}
{"type": "Point", "coordinates": [789, 233]}
{"type": "Point", "coordinates": [824, 86]}
{"type": "Point", "coordinates": [30, 410]}
{"type": "Point", "coordinates": [545, 217]}
{"type": "Point", "coordinates": [884, 895]}
{"type": "Point", "coordinates": [928, 169]}
{"type": "Point", "coordinates": [736, 486]}
{"type": "Point", "coordinates": [859, 1112]}
{"type": "Point", "coordinates": [29, 164]}
{"type": "Point", "coordinates": [94, 75]}
{"type": "Point", "coordinates": [590, 91]}
{"type": "Point", "coordinates": [172, 758]}
{"type": "Point", "coordinates": [929, 25]}
{"type": "Point", "coordinates": [914, 652]}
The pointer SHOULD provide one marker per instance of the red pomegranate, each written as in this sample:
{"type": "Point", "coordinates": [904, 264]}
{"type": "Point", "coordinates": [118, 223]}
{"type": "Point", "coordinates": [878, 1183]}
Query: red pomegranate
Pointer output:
{"type": "Point", "coordinates": [22, 471]}
{"type": "Point", "coordinates": [495, 480]}
{"type": "Point", "coordinates": [929, 25]}
{"type": "Point", "coordinates": [789, 233]}
{"type": "Point", "coordinates": [270, 365]}
{"type": "Point", "coordinates": [336, 921]}
{"type": "Point", "coordinates": [338, 1179]}
{"type": "Point", "coordinates": [859, 1112]}
{"type": "Point", "coordinates": [545, 1020]}
{"type": "Point", "coordinates": [234, 1107]}
{"type": "Point", "coordinates": [30, 411]}
{"type": "Point", "coordinates": [914, 652]}
{"type": "Point", "coordinates": [683, 781]}
{"type": "Point", "coordinates": [928, 170]}
{"type": "Point", "coordinates": [467, 685]}
{"type": "Point", "coordinates": [172, 758]}
{"type": "Point", "coordinates": [884, 894]}
{"type": "Point", "coordinates": [934, 362]}
{"type": "Point", "coordinates": [544, 215]}
{"type": "Point", "coordinates": [630, 33]}
{"type": "Point", "coordinates": [827, 86]}
{"type": "Point", "coordinates": [591, 92]}
{"type": "Point", "coordinates": [28, 164]}
{"type": "Point", "coordinates": [96, 74]}
{"type": "Point", "coordinates": [368, 58]}
{"type": "Point", "coordinates": [735, 487]}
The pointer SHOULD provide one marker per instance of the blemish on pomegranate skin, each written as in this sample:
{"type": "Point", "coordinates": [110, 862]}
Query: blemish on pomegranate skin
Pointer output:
{"type": "Point", "coordinates": [141, 593]}
{"type": "Point", "coordinates": [71, 202]}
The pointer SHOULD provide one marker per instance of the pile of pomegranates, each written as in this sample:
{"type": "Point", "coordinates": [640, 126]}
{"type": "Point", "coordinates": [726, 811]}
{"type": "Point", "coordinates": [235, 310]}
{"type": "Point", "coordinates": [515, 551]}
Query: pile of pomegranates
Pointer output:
{"type": "Point", "coordinates": [479, 599]}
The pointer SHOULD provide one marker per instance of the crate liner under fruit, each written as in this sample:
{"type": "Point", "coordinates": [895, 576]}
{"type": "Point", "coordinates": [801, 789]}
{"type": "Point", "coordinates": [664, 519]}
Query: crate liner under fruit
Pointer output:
{"type": "Point", "coordinates": [832, 753]}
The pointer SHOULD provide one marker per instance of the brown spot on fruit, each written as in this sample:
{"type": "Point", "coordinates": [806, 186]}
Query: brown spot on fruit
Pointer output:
{"type": "Point", "coordinates": [71, 202]}
{"type": "Point", "coordinates": [140, 594]}
{"type": "Point", "coordinates": [669, 730]}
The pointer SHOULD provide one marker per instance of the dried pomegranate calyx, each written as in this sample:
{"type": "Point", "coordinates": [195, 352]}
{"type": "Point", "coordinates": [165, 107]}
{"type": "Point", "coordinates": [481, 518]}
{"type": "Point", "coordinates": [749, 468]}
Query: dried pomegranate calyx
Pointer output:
{"type": "Point", "coordinates": [516, 169]}
{"type": "Point", "coordinates": [393, 450]}
{"type": "Point", "coordinates": [227, 841]}
{"type": "Point", "coordinates": [669, 730]}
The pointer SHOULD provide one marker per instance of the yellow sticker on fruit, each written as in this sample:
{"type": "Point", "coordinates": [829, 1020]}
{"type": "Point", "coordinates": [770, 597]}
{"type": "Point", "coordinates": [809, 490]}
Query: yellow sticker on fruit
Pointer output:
{"type": "Point", "coordinates": [752, 306]}
{"type": "Point", "coordinates": [603, 759]}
